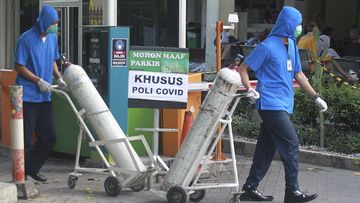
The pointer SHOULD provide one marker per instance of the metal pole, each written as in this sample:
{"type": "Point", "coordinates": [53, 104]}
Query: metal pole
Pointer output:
{"type": "Point", "coordinates": [155, 143]}
{"type": "Point", "coordinates": [321, 116]}
{"type": "Point", "coordinates": [182, 23]}
{"type": "Point", "coordinates": [156, 133]}
{"type": "Point", "coordinates": [17, 133]}
{"type": "Point", "coordinates": [110, 12]}
{"type": "Point", "coordinates": [219, 28]}
{"type": "Point", "coordinates": [24, 189]}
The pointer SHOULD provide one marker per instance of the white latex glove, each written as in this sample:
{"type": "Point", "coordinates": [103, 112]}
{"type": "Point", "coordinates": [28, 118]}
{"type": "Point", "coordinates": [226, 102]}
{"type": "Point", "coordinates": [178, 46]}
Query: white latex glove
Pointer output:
{"type": "Point", "coordinates": [252, 94]}
{"type": "Point", "coordinates": [321, 104]}
{"type": "Point", "coordinates": [44, 86]}
{"type": "Point", "coordinates": [62, 84]}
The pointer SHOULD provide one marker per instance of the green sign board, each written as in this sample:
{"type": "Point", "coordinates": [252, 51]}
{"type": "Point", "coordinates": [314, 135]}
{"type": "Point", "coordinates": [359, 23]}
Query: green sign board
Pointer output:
{"type": "Point", "coordinates": [155, 59]}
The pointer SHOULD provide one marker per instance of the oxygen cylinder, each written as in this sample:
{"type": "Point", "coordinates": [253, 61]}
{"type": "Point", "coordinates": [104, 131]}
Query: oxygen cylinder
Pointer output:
{"type": "Point", "coordinates": [201, 133]}
{"type": "Point", "coordinates": [100, 118]}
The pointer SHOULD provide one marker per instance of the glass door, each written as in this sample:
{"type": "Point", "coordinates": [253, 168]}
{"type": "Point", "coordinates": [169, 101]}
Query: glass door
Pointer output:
{"type": "Point", "coordinates": [68, 33]}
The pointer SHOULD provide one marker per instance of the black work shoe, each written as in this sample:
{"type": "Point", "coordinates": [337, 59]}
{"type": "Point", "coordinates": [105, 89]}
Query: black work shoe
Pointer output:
{"type": "Point", "coordinates": [37, 176]}
{"type": "Point", "coordinates": [252, 194]}
{"type": "Point", "coordinates": [298, 196]}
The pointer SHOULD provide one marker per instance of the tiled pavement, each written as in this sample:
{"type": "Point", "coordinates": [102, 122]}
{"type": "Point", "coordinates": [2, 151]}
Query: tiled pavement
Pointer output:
{"type": "Point", "coordinates": [332, 185]}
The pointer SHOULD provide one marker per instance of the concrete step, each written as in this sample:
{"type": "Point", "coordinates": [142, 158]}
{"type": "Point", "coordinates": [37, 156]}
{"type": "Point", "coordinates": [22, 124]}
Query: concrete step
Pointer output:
{"type": "Point", "coordinates": [8, 193]}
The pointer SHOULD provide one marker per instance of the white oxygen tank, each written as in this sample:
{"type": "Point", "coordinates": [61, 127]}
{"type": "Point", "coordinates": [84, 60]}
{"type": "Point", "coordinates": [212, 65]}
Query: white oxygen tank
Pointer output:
{"type": "Point", "coordinates": [100, 118]}
{"type": "Point", "coordinates": [201, 133]}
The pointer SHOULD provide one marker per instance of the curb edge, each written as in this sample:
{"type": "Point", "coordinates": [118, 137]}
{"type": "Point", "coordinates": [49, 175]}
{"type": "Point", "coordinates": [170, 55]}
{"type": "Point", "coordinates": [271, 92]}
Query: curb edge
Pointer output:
{"type": "Point", "coordinates": [244, 147]}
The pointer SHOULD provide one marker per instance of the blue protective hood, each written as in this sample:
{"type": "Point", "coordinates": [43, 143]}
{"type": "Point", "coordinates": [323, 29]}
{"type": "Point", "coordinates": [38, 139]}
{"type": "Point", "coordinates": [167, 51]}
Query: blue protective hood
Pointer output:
{"type": "Point", "coordinates": [48, 16]}
{"type": "Point", "coordinates": [285, 25]}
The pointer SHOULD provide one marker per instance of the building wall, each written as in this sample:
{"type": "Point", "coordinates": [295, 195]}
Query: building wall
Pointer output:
{"type": "Point", "coordinates": [9, 32]}
{"type": "Point", "coordinates": [337, 14]}
{"type": "Point", "coordinates": [2, 33]}
{"type": "Point", "coordinates": [341, 16]}
{"type": "Point", "coordinates": [212, 11]}
{"type": "Point", "coordinates": [225, 8]}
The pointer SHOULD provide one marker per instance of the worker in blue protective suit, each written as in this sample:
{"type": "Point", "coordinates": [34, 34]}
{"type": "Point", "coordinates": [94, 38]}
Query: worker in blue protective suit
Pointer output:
{"type": "Point", "coordinates": [35, 55]}
{"type": "Point", "coordinates": [276, 63]}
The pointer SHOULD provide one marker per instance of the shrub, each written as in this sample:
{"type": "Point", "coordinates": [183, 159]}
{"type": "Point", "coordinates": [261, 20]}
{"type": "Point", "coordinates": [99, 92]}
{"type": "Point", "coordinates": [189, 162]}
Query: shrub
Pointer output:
{"type": "Point", "coordinates": [340, 140]}
{"type": "Point", "coordinates": [343, 102]}
{"type": "Point", "coordinates": [243, 126]}
{"type": "Point", "coordinates": [337, 138]}
{"type": "Point", "coordinates": [341, 133]}
{"type": "Point", "coordinates": [344, 105]}
{"type": "Point", "coordinates": [305, 110]}
{"type": "Point", "coordinates": [342, 118]}
{"type": "Point", "coordinates": [307, 134]}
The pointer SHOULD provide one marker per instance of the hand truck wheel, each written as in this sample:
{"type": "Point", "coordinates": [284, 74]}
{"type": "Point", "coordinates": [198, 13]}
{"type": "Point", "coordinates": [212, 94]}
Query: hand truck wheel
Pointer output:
{"type": "Point", "coordinates": [176, 194]}
{"type": "Point", "coordinates": [72, 181]}
{"type": "Point", "coordinates": [197, 196]}
{"type": "Point", "coordinates": [112, 186]}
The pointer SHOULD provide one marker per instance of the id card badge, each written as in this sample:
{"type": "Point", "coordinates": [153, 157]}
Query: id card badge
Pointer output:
{"type": "Point", "coordinates": [289, 65]}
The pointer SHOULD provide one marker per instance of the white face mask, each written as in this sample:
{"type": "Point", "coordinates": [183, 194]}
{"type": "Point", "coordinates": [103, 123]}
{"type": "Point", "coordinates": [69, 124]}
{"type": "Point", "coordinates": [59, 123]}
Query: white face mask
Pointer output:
{"type": "Point", "coordinates": [298, 31]}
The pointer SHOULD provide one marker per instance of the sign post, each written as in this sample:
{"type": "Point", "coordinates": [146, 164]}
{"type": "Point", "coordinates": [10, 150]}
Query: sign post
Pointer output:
{"type": "Point", "coordinates": [219, 28]}
{"type": "Point", "coordinates": [158, 78]}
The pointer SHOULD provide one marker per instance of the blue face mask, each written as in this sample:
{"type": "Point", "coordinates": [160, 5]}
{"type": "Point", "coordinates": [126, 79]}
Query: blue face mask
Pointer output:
{"type": "Point", "coordinates": [52, 29]}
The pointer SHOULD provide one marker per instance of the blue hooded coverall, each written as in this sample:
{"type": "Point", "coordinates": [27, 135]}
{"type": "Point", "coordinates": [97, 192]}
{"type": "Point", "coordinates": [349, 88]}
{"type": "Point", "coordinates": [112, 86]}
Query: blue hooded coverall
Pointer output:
{"type": "Point", "coordinates": [38, 57]}
{"type": "Point", "coordinates": [269, 61]}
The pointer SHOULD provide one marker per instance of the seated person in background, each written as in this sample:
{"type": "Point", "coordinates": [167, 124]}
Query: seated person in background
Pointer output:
{"type": "Point", "coordinates": [329, 31]}
{"type": "Point", "coordinates": [332, 65]}
{"type": "Point", "coordinates": [324, 43]}
{"type": "Point", "coordinates": [308, 42]}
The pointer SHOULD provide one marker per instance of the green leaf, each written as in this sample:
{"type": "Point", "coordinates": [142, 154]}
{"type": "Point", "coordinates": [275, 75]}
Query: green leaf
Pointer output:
{"type": "Point", "coordinates": [316, 33]}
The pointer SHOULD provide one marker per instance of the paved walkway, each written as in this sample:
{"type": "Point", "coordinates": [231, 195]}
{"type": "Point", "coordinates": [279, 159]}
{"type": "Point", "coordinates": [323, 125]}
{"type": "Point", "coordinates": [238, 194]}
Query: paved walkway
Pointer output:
{"type": "Point", "coordinates": [332, 185]}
